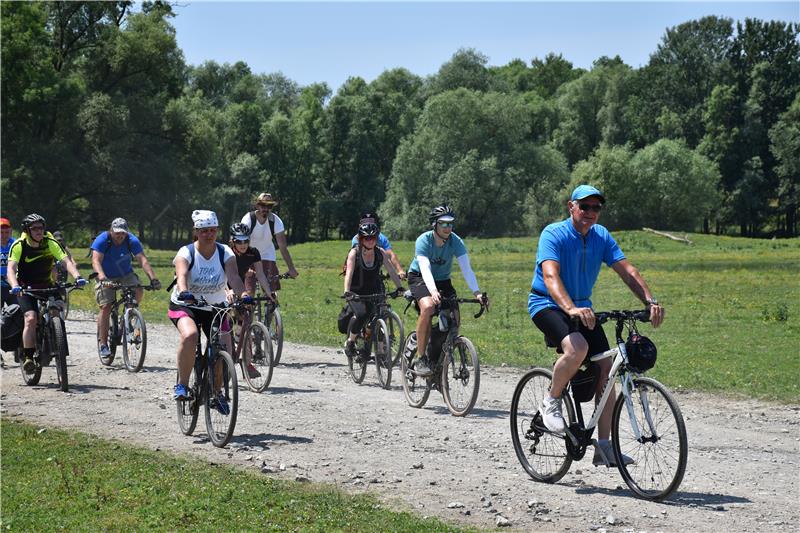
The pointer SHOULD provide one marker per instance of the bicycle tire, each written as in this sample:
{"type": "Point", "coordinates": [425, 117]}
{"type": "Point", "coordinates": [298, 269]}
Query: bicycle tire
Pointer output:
{"type": "Point", "coordinates": [134, 340]}
{"type": "Point", "coordinates": [546, 459]}
{"type": "Point", "coordinates": [275, 327]}
{"type": "Point", "coordinates": [658, 467]}
{"type": "Point", "coordinates": [416, 389]}
{"type": "Point", "coordinates": [113, 331]}
{"type": "Point", "coordinates": [382, 349]}
{"type": "Point", "coordinates": [258, 350]}
{"type": "Point", "coordinates": [219, 425]}
{"type": "Point", "coordinates": [188, 410]}
{"type": "Point", "coordinates": [31, 378]}
{"type": "Point", "coordinates": [461, 378]}
{"type": "Point", "coordinates": [66, 304]}
{"type": "Point", "coordinates": [396, 334]}
{"type": "Point", "coordinates": [60, 350]}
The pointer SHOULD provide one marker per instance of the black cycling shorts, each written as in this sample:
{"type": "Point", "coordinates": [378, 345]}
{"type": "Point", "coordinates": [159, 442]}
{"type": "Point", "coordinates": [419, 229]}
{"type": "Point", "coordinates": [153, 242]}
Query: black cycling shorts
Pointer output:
{"type": "Point", "coordinates": [556, 324]}
{"type": "Point", "coordinates": [419, 290]}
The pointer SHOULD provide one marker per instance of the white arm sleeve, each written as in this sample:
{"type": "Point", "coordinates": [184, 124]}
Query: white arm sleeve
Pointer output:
{"type": "Point", "coordinates": [427, 276]}
{"type": "Point", "coordinates": [469, 275]}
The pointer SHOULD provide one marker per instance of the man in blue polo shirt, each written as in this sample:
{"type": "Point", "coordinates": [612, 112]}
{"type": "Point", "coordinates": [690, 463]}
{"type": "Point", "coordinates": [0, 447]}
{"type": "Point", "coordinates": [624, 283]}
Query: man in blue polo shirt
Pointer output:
{"type": "Point", "coordinates": [568, 262]}
{"type": "Point", "coordinates": [111, 258]}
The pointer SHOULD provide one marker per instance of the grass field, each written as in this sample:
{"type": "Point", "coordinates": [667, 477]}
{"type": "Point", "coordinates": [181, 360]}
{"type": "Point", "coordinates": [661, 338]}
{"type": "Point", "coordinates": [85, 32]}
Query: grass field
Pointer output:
{"type": "Point", "coordinates": [733, 306]}
{"type": "Point", "coordinates": [56, 481]}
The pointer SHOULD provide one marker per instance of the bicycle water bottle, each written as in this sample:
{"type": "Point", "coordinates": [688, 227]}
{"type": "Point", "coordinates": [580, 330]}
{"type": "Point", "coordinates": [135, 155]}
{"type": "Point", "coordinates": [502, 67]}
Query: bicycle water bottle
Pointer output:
{"type": "Point", "coordinates": [443, 325]}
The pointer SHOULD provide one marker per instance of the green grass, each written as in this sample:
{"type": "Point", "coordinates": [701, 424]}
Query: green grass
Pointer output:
{"type": "Point", "coordinates": [733, 306]}
{"type": "Point", "coordinates": [56, 480]}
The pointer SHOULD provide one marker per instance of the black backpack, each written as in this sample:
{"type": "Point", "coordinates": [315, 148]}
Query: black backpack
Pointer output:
{"type": "Point", "coordinates": [270, 219]}
{"type": "Point", "coordinates": [220, 255]}
{"type": "Point", "coordinates": [12, 321]}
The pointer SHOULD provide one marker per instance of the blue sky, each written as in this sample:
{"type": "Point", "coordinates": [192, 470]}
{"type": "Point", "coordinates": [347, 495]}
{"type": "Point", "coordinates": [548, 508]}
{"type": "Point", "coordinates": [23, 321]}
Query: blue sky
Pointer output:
{"type": "Point", "coordinates": [330, 41]}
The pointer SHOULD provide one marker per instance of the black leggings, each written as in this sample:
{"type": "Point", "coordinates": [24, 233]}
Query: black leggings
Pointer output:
{"type": "Point", "coordinates": [362, 311]}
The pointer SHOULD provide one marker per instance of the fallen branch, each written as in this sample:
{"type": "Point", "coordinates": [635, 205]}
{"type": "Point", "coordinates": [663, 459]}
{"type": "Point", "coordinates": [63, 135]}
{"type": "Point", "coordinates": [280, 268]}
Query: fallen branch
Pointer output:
{"type": "Point", "coordinates": [669, 235]}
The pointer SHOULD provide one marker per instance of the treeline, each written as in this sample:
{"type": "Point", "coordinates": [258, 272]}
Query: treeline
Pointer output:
{"type": "Point", "coordinates": [102, 117]}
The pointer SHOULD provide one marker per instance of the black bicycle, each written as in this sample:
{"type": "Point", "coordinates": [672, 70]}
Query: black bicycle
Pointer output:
{"type": "Point", "coordinates": [273, 321]}
{"type": "Point", "coordinates": [51, 335]}
{"type": "Point", "coordinates": [374, 341]}
{"type": "Point", "coordinates": [397, 332]}
{"type": "Point", "coordinates": [131, 334]}
{"type": "Point", "coordinates": [213, 382]}
{"type": "Point", "coordinates": [456, 371]}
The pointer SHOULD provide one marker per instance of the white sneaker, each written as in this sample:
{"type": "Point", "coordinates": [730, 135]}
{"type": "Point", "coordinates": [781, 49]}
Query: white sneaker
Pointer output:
{"type": "Point", "coordinates": [105, 351]}
{"type": "Point", "coordinates": [604, 455]}
{"type": "Point", "coordinates": [551, 414]}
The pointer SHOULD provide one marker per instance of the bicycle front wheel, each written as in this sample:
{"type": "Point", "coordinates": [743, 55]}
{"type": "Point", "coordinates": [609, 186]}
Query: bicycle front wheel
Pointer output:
{"type": "Point", "coordinates": [189, 409]}
{"type": "Point", "coordinates": [382, 343]}
{"type": "Point", "coordinates": [461, 377]}
{"type": "Point", "coordinates": [31, 378]}
{"type": "Point", "coordinates": [113, 332]}
{"type": "Point", "coordinates": [59, 347]}
{"type": "Point", "coordinates": [650, 430]}
{"type": "Point", "coordinates": [396, 334]}
{"type": "Point", "coordinates": [257, 350]}
{"type": "Point", "coordinates": [543, 455]}
{"type": "Point", "coordinates": [222, 399]}
{"type": "Point", "coordinates": [415, 388]}
{"type": "Point", "coordinates": [275, 327]}
{"type": "Point", "coordinates": [134, 340]}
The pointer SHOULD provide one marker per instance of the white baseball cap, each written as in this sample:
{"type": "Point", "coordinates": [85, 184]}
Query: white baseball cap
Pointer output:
{"type": "Point", "coordinates": [203, 218]}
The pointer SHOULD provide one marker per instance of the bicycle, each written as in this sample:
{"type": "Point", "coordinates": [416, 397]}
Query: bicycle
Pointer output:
{"type": "Point", "coordinates": [133, 337]}
{"type": "Point", "coordinates": [51, 334]}
{"type": "Point", "coordinates": [61, 277]}
{"type": "Point", "coordinates": [396, 329]}
{"type": "Point", "coordinates": [253, 347]}
{"type": "Point", "coordinates": [454, 362]}
{"type": "Point", "coordinates": [375, 338]}
{"type": "Point", "coordinates": [647, 424]}
{"type": "Point", "coordinates": [274, 321]}
{"type": "Point", "coordinates": [213, 374]}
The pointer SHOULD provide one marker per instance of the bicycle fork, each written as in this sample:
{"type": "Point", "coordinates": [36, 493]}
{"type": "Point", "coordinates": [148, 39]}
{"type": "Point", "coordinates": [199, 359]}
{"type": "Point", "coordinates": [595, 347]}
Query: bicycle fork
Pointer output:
{"type": "Point", "coordinates": [628, 389]}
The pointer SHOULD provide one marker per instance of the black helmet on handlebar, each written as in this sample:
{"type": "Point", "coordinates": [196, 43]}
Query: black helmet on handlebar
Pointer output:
{"type": "Point", "coordinates": [32, 219]}
{"type": "Point", "coordinates": [641, 353]}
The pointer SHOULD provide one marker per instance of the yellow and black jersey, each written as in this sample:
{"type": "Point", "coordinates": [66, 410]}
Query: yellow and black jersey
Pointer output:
{"type": "Point", "coordinates": [35, 265]}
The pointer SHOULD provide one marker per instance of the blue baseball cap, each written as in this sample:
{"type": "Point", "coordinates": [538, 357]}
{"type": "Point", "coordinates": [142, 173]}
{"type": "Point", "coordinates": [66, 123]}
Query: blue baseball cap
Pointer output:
{"type": "Point", "coordinates": [585, 191]}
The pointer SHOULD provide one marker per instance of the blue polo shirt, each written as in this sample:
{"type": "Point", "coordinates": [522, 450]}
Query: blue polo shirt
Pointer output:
{"type": "Point", "coordinates": [441, 258]}
{"type": "Point", "coordinates": [579, 258]}
{"type": "Point", "coordinates": [117, 259]}
{"type": "Point", "coordinates": [383, 242]}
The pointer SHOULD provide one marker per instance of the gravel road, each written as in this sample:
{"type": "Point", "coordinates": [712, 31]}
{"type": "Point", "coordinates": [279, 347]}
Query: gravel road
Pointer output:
{"type": "Point", "coordinates": [314, 423]}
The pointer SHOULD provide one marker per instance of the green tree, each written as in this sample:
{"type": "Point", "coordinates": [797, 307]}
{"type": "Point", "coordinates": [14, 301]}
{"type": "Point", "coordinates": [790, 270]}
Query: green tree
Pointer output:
{"type": "Point", "coordinates": [785, 147]}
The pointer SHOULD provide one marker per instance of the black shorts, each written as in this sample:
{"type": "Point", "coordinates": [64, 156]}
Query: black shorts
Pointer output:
{"type": "Point", "coordinates": [556, 324]}
{"type": "Point", "coordinates": [419, 290]}
{"type": "Point", "coordinates": [27, 303]}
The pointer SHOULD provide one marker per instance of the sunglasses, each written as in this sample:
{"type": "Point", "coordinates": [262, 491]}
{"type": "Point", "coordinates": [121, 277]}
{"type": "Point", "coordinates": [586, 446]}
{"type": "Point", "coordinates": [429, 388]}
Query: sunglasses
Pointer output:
{"type": "Point", "coordinates": [369, 237]}
{"type": "Point", "coordinates": [241, 241]}
{"type": "Point", "coordinates": [36, 228]}
{"type": "Point", "coordinates": [445, 224]}
{"type": "Point", "coordinates": [591, 207]}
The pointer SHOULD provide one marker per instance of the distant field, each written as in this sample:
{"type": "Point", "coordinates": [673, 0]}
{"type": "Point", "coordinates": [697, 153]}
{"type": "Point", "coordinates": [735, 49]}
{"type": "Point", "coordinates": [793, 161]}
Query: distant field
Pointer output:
{"type": "Point", "coordinates": [733, 306]}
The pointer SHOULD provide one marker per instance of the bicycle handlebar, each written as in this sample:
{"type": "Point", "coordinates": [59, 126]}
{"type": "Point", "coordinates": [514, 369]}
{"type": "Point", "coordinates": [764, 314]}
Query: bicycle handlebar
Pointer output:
{"type": "Point", "coordinates": [408, 296]}
{"type": "Point", "coordinates": [376, 296]}
{"type": "Point", "coordinates": [285, 275]}
{"type": "Point", "coordinates": [641, 315]}
{"type": "Point", "coordinates": [118, 286]}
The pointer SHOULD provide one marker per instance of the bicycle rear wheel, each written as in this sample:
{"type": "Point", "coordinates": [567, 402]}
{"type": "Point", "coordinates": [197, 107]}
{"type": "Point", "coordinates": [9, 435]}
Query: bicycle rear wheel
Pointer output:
{"type": "Point", "coordinates": [134, 340]}
{"type": "Point", "coordinates": [461, 377]}
{"type": "Point", "coordinates": [382, 343]}
{"type": "Point", "coordinates": [275, 327]}
{"type": "Point", "coordinates": [220, 421]}
{"type": "Point", "coordinates": [396, 334]}
{"type": "Point", "coordinates": [59, 347]}
{"type": "Point", "coordinates": [258, 350]}
{"type": "Point", "coordinates": [189, 409]}
{"type": "Point", "coordinates": [543, 455]}
{"type": "Point", "coordinates": [660, 453]}
{"type": "Point", "coordinates": [415, 388]}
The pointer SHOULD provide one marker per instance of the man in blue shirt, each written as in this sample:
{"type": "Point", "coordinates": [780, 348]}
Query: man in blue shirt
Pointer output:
{"type": "Point", "coordinates": [568, 262]}
{"type": "Point", "coordinates": [6, 240]}
{"type": "Point", "coordinates": [111, 258]}
{"type": "Point", "coordinates": [383, 243]}
{"type": "Point", "coordinates": [429, 274]}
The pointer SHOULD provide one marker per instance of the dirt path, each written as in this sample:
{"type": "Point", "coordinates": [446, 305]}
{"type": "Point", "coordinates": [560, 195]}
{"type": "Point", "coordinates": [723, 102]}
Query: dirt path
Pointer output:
{"type": "Point", "coordinates": [314, 423]}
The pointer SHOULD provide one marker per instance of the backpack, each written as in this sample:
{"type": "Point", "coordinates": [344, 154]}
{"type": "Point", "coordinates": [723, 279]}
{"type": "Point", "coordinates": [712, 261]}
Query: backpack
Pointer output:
{"type": "Point", "coordinates": [270, 219]}
{"type": "Point", "coordinates": [12, 321]}
{"type": "Point", "coordinates": [220, 255]}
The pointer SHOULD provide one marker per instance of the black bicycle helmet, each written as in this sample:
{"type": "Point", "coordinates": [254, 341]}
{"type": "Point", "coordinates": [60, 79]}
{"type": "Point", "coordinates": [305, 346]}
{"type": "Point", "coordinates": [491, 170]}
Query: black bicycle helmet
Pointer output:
{"type": "Point", "coordinates": [368, 229]}
{"type": "Point", "coordinates": [240, 232]}
{"type": "Point", "coordinates": [369, 216]}
{"type": "Point", "coordinates": [641, 353]}
{"type": "Point", "coordinates": [441, 211]}
{"type": "Point", "coordinates": [32, 219]}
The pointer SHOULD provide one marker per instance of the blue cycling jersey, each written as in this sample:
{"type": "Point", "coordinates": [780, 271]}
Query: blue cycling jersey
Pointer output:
{"type": "Point", "coordinates": [441, 258]}
{"type": "Point", "coordinates": [579, 258]}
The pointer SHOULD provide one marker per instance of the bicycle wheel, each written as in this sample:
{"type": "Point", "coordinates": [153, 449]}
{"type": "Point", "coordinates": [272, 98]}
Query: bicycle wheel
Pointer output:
{"type": "Point", "coordinates": [258, 349]}
{"type": "Point", "coordinates": [660, 452]}
{"type": "Point", "coordinates": [461, 377]}
{"type": "Point", "coordinates": [415, 388]}
{"type": "Point", "coordinates": [275, 327]}
{"type": "Point", "coordinates": [189, 409]}
{"type": "Point", "coordinates": [113, 332]}
{"type": "Point", "coordinates": [396, 334]}
{"type": "Point", "coordinates": [543, 455]}
{"type": "Point", "coordinates": [31, 378]}
{"type": "Point", "coordinates": [59, 346]}
{"type": "Point", "coordinates": [219, 421]}
{"type": "Point", "coordinates": [382, 344]}
{"type": "Point", "coordinates": [358, 363]}
{"type": "Point", "coordinates": [66, 303]}
{"type": "Point", "coordinates": [134, 340]}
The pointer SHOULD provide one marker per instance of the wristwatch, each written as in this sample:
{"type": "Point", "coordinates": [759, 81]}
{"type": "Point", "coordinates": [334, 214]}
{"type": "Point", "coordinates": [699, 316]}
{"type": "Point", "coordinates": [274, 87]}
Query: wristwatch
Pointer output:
{"type": "Point", "coordinates": [652, 301]}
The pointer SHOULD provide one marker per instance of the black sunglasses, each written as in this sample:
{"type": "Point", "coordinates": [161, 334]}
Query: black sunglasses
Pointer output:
{"type": "Point", "coordinates": [591, 207]}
